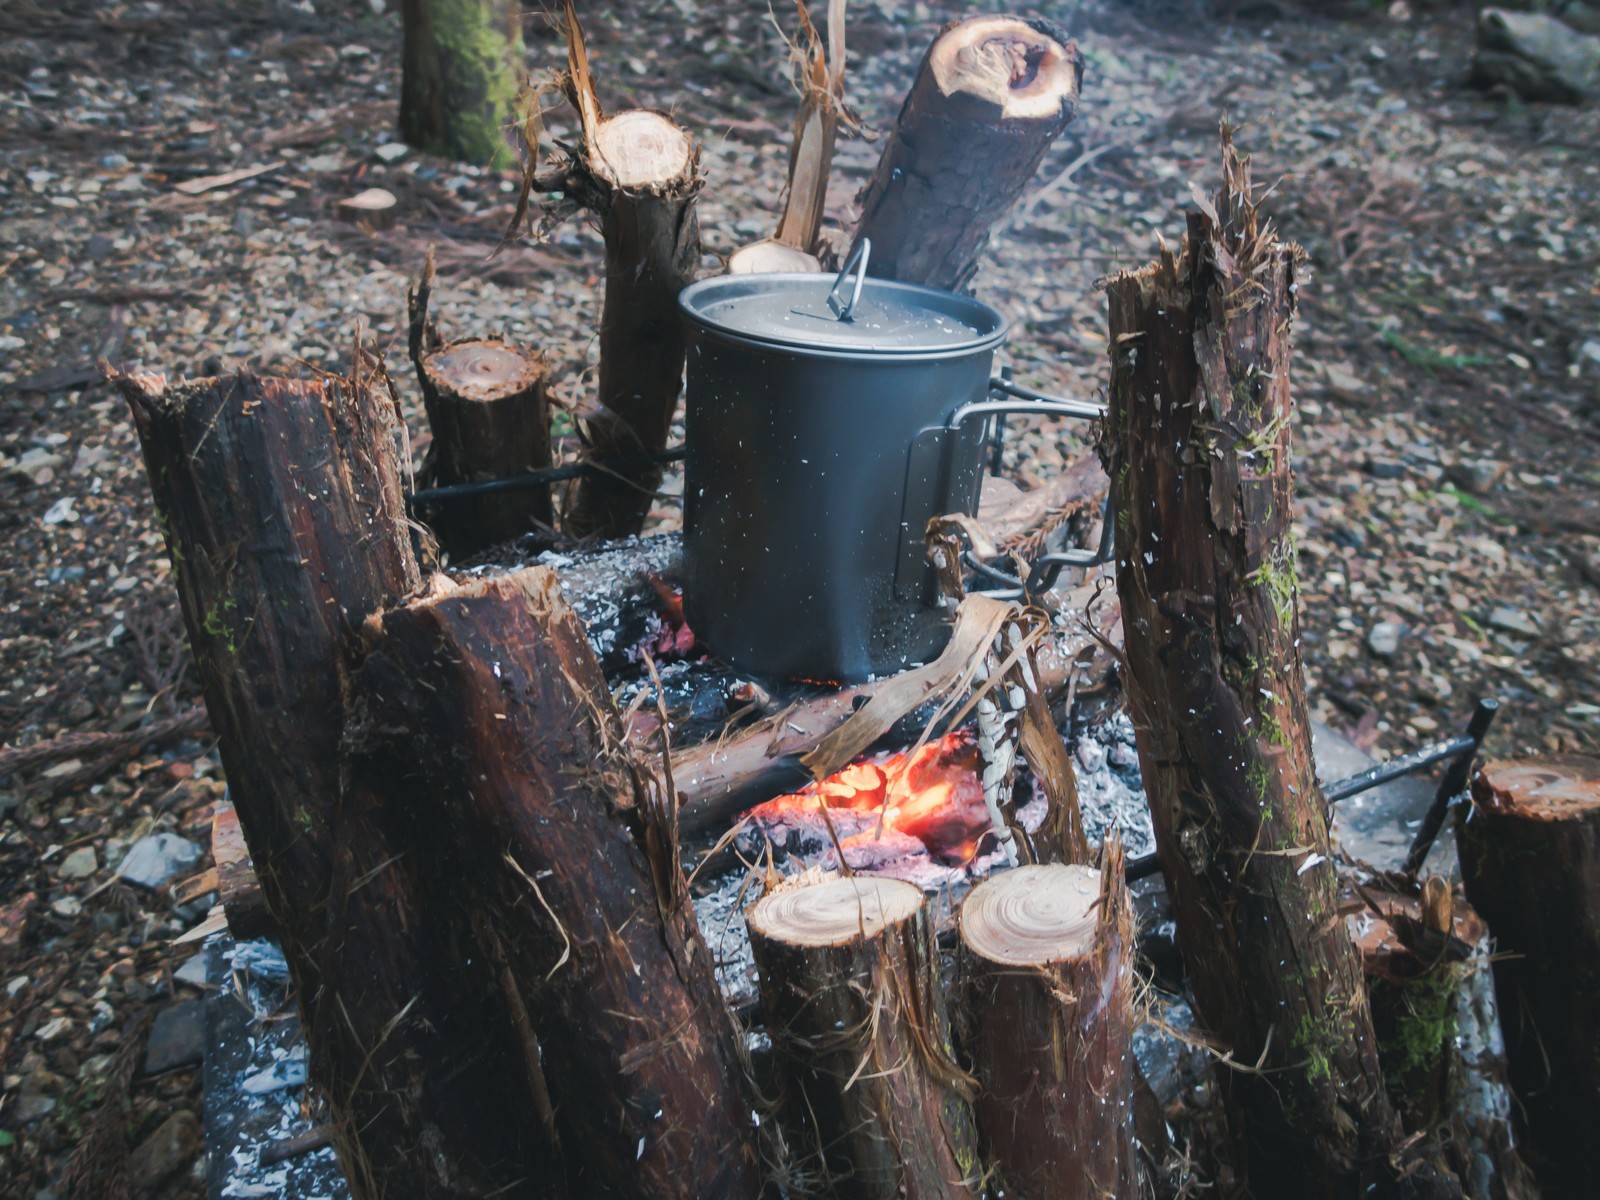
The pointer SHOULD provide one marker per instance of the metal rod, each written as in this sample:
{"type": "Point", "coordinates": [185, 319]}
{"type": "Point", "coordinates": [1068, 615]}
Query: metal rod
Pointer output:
{"type": "Point", "coordinates": [1455, 779]}
{"type": "Point", "coordinates": [1461, 750]}
{"type": "Point", "coordinates": [512, 483]}
{"type": "Point", "coordinates": [997, 432]}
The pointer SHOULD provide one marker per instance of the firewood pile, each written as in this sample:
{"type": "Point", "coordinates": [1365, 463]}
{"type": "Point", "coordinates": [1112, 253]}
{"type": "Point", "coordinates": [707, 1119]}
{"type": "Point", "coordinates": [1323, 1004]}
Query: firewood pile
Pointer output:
{"type": "Point", "coordinates": [470, 794]}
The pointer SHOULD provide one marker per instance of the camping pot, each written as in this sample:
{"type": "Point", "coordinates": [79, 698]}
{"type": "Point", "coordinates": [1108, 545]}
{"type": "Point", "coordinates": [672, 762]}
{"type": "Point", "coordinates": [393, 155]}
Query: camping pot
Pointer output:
{"type": "Point", "coordinates": [827, 419]}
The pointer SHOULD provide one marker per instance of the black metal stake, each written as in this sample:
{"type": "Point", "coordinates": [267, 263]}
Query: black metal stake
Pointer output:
{"type": "Point", "coordinates": [1455, 779]}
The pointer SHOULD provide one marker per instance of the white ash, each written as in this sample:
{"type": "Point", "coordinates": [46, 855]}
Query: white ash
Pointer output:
{"type": "Point", "coordinates": [1110, 789]}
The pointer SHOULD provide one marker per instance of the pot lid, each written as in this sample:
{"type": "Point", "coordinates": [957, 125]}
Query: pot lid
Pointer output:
{"type": "Point", "coordinates": [887, 318]}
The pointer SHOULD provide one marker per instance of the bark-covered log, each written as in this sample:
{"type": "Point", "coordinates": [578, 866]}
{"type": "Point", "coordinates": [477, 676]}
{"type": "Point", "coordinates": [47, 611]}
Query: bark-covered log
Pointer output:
{"type": "Point", "coordinates": [281, 505]}
{"type": "Point", "coordinates": [1197, 447]}
{"type": "Point", "coordinates": [483, 717]}
{"type": "Point", "coordinates": [1046, 1022]}
{"type": "Point", "coordinates": [990, 97]}
{"type": "Point", "coordinates": [489, 413]}
{"type": "Point", "coordinates": [1530, 858]}
{"type": "Point", "coordinates": [459, 76]}
{"type": "Point", "coordinates": [796, 245]}
{"type": "Point", "coordinates": [638, 173]}
{"type": "Point", "coordinates": [1433, 1007]}
{"type": "Point", "coordinates": [875, 1107]}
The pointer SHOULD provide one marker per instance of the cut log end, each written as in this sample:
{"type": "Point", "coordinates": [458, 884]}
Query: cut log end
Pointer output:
{"type": "Point", "coordinates": [835, 912]}
{"type": "Point", "coordinates": [1555, 787]}
{"type": "Point", "coordinates": [771, 257]}
{"type": "Point", "coordinates": [483, 369]}
{"type": "Point", "coordinates": [642, 150]}
{"type": "Point", "coordinates": [1033, 916]}
{"type": "Point", "coordinates": [1026, 73]}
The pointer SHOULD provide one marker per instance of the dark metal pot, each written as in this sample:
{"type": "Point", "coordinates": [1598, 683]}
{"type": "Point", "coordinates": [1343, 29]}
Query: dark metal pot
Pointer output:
{"type": "Point", "coordinates": [822, 435]}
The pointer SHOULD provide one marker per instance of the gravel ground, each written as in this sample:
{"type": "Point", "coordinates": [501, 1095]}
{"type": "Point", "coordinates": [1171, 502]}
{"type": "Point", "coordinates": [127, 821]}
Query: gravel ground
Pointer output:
{"type": "Point", "coordinates": [1448, 380]}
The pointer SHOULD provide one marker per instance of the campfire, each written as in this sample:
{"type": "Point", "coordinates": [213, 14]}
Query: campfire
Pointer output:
{"type": "Point", "coordinates": [915, 814]}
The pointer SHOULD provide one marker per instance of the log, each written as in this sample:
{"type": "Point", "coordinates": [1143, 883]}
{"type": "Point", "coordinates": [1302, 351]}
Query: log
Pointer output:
{"type": "Point", "coordinates": [874, 1106]}
{"type": "Point", "coordinates": [237, 885]}
{"type": "Point", "coordinates": [1046, 970]}
{"type": "Point", "coordinates": [488, 407]}
{"type": "Point", "coordinates": [796, 246]}
{"type": "Point", "coordinates": [372, 207]}
{"type": "Point", "coordinates": [1530, 859]}
{"type": "Point", "coordinates": [1197, 447]}
{"type": "Point", "coordinates": [483, 715]}
{"type": "Point", "coordinates": [638, 172]}
{"type": "Point", "coordinates": [1427, 966]}
{"type": "Point", "coordinates": [990, 97]}
{"type": "Point", "coordinates": [280, 501]}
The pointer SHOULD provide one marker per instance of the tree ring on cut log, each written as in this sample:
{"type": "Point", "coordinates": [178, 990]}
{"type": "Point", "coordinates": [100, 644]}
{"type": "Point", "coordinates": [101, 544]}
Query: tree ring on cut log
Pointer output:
{"type": "Point", "coordinates": [1553, 787]}
{"type": "Point", "coordinates": [835, 912]}
{"type": "Point", "coordinates": [483, 369]}
{"type": "Point", "coordinates": [641, 149]}
{"type": "Point", "coordinates": [1023, 71]}
{"type": "Point", "coordinates": [1033, 916]}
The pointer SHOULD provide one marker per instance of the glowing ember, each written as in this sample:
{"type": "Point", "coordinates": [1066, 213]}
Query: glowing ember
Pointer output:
{"type": "Point", "coordinates": [917, 805]}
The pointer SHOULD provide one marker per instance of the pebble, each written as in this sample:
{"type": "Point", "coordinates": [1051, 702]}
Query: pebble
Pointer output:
{"type": "Point", "coordinates": [1512, 620]}
{"type": "Point", "coordinates": [80, 864]}
{"type": "Point", "coordinates": [177, 1037]}
{"type": "Point", "coordinates": [67, 906]}
{"type": "Point", "coordinates": [173, 1143]}
{"type": "Point", "coordinates": [154, 860]}
{"type": "Point", "coordinates": [53, 1028]}
{"type": "Point", "coordinates": [1384, 638]}
{"type": "Point", "coordinates": [37, 465]}
{"type": "Point", "coordinates": [392, 151]}
{"type": "Point", "coordinates": [1385, 468]}
{"type": "Point", "coordinates": [1477, 475]}
{"type": "Point", "coordinates": [63, 512]}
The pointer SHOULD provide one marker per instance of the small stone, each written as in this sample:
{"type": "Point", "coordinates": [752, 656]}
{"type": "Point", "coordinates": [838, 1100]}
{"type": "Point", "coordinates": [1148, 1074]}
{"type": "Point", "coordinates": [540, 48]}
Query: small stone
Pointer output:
{"type": "Point", "coordinates": [1512, 620]}
{"type": "Point", "coordinates": [32, 1105]}
{"type": "Point", "coordinates": [1342, 379]}
{"type": "Point", "coordinates": [1477, 475]}
{"type": "Point", "coordinates": [80, 864]}
{"type": "Point", "coordinates": [1384, 468]}
{"type": "Point", "coordinates": [174, 1142]}
{"type": "Point", "coordinates": [154, 860]}
{"type": "Point", "coordinates": [53, 1028]}
{"type": "Point", "coordinates": [37, 465]}
{"type": "Point", "coordinates": [392, 151]}
{"type": "Point", "coordinates": [1384, 638]}
{"type": "Point", "coordinates": [63, 512]}
{"type": "Point", "coordinates": [67, 906]}
{"type": "Point", "coordinates": [193, 972]}
{"type": "Point", "coordinates": [177, 1037]}
{"type": "Point", "coordinates": [1091, 755]}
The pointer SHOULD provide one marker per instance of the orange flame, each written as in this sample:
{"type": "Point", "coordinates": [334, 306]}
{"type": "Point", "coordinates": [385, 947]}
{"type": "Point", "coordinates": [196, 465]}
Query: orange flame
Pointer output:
{"type": "Point", "coordinates": [932, 794]}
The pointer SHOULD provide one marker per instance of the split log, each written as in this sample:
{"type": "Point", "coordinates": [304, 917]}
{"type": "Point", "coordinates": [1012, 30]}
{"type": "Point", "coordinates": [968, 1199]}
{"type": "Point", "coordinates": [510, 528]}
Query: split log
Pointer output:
{"type": "Point", "coordinates": [483, 716]}
{"type": "Point", "coordinates": [281, 505]}
{"type": "Point", "coordinates": [1197, 446]}
{"type": "Point", "coordinates": [237, 885]}
{"type": "Point", "coordinates": [1530, 859]}
{"type": "Point", "coordinates": [638, 173]}
{"type": "Point", "coordinates": [874, 1105]}
{"type": "Point", "coordinates": [372, 207]}
{"type": "Point", "coordinates": [1427, 966]}
{"type": "Point", "coordinates": [796, 246]}
{"type": "Point", "coordinates": [991, 96]}
{"type": "Point", "coordinates": [1047, 1024]}
{"type": "Point", "coordinates": [489, 411]}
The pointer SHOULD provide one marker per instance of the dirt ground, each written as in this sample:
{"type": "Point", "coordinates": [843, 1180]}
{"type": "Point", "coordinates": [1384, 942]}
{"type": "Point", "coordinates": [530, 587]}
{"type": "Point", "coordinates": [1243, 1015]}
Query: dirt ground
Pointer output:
{"type": "Point", "coordinates": [1448, 382]}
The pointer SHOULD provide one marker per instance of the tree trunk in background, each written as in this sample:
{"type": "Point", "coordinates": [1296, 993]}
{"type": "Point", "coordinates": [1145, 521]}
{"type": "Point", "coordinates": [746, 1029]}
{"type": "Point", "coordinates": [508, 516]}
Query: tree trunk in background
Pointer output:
{"type": "Point", "coordinates": [282, 509]}
{"type": "Point", "coordinates": [639, 174]}
{"type": "Point", "coordinates": [991, 96]}
{"type": "Point", "coordinates": [481, 713]}
{"type": "Point", "coordinates": [460, 74]}
{"type": "Point", "coordinates": [1047, 1024]}
{"type": "Point", "coordinates": [874, 1105]}
{"type": "Point", "coordinates": [1530, 858]}
{"type": "Point", "coordinates": [1197, 447]}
